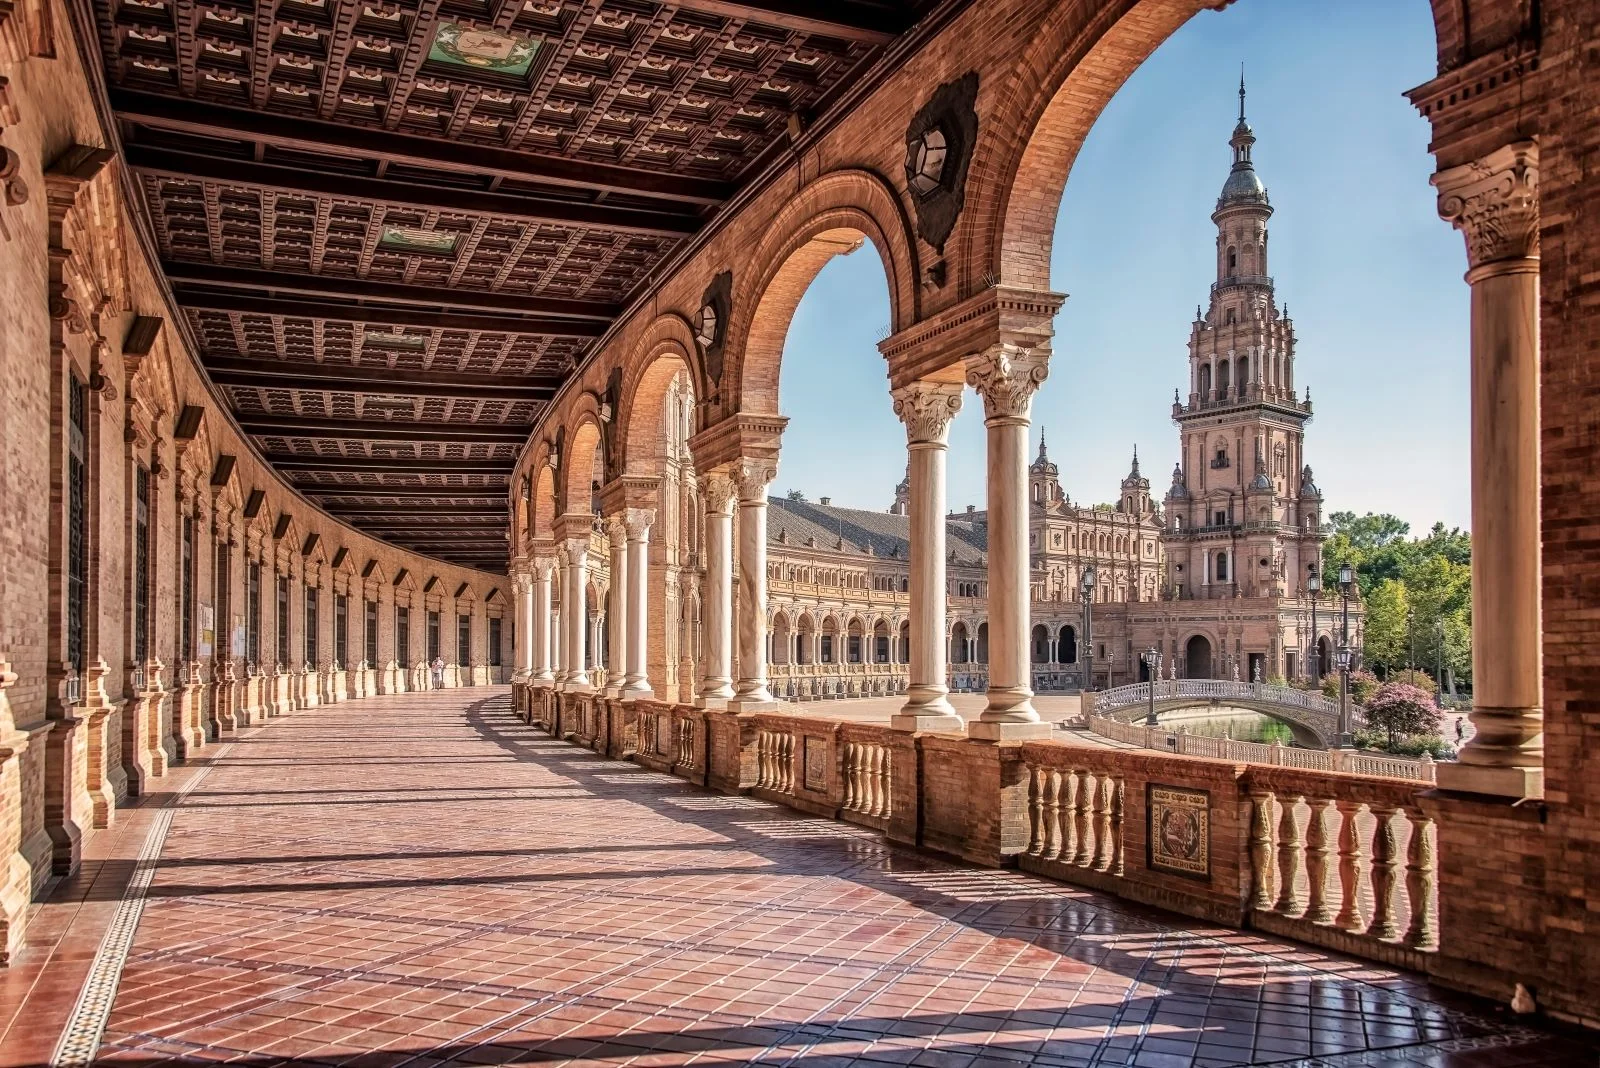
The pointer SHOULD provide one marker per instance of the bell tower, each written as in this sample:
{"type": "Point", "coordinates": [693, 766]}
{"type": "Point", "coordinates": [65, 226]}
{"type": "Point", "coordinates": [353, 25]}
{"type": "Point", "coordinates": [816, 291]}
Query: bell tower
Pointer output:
{"type": "Point", "coordinates": [1242, 516]}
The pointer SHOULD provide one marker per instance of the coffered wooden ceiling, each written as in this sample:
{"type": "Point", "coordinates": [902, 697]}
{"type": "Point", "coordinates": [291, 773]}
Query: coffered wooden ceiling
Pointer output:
{"type": "Point", "coordinates": [395, 228]}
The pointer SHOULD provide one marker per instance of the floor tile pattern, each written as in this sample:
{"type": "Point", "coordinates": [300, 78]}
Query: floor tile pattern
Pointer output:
{"type": "Point", "coordinates": [423, 880]}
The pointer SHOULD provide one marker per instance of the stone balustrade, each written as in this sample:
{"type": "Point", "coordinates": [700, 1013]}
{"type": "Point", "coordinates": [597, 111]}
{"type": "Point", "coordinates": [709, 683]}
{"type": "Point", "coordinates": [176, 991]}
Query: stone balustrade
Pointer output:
{"type": "Point", "coordinates": [1342, 860]}
{"type": "Point", "coordinates": [1355, 761]}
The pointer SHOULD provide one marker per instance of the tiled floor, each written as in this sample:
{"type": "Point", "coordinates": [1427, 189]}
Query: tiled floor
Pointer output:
{"type": "Point", "coordinates": [423, 880]}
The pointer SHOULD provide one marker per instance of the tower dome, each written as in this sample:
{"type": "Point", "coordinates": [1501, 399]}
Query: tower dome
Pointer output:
{"type": "Point", "coordinates": [1243, 186]}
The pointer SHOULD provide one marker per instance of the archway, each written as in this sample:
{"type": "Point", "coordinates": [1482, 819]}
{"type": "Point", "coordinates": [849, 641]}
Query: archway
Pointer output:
{"type": "Point", "coordinates": [1067, 646]}
{"type": "Point", "coordinates": [1197, 658]}
{"type": "Point", "coordinates": [1041, 644]}
{"type": "Point", "coordinates": [959, 645]}
{"type": "Point", "coordinates": [805, 647]}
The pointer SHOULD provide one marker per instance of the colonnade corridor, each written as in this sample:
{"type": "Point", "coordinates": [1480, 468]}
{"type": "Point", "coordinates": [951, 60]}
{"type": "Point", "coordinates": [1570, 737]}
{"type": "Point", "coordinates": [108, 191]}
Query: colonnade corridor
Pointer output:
{"type": "Point", "coordinates": [423, 879]}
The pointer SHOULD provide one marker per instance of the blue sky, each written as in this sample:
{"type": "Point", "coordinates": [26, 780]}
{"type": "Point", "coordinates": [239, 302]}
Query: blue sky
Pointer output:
{"type": "Point", "coordinates": [1372, 277]}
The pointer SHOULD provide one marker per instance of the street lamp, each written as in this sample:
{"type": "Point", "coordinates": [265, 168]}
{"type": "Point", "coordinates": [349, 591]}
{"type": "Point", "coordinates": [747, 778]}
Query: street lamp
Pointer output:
{"type": "Point", "coordinates": [1087, 585]}
{"type": "Point", "coordinates": [1314, 587]}
{"type": "Point", "coordinates": [1152, 663]}
{"type": "Point", "coordinates": [1343, 658]}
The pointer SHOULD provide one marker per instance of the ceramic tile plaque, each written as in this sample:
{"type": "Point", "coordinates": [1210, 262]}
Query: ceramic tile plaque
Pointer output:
{"type": "Point", "coordinates": [816, 756]}
{"type": "Point", "coordinates": [475, 49]}
{"type": "Point", "coordinates": [1179, 831]}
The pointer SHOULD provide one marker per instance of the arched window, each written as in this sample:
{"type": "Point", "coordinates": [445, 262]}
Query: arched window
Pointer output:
{"type": "Point", "coordinates": [1228, 318]}
{"type": "Point", "coordinates": [1222, 567]}
{"type": "Point", "coordinates": [1242, 379]}
{"type": "Point", "coordinates": [1233, 260]}
{"type": "Point", "coordinates": [1205, 380]}
{"type": "Point", "coordinates": [1222, 375]}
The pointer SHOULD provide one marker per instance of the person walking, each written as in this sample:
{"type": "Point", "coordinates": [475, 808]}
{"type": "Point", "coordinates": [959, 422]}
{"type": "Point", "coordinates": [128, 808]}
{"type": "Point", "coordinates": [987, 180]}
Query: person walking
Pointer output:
{"type": "Point", "coordinates": [438, 673]}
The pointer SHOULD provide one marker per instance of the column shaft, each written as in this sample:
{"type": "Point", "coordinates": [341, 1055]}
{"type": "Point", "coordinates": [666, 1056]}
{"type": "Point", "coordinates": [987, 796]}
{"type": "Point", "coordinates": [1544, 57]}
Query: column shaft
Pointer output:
{"type": "Point", "coordinates": [753, 479]}
{"type": "Point", "coordinates": [638, 597]}
{"type": "Point", "coordinates": [927, 410]}
{"type": "Point", "coordinates": [540, 626]}
{"type": "Point", "coordinates": [716, 686]}
{"type": "Point", "coordinates": [618, 666]}
{"type": "Point", "coordinates": [575, 608]}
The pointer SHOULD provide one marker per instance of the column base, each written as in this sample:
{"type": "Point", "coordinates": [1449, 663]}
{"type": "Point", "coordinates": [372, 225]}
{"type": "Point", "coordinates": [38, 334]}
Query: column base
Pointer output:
{"type": "Point", "coordinates": [948, 723]}
{"type": "Point", "coordinates": [631, 692]}
{"type": "Point", "coordinates": [1494, 781]}
{"type": "Point", "coordinates": [1023, 731]}
{"type": "Point", "coordinates": [753, 704]}
{"type": "Point", "coordinates": [714, 702]}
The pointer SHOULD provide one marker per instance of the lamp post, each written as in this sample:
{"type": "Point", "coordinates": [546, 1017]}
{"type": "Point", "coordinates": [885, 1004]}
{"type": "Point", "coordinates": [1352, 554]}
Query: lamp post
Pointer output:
{"type": "Point", "coordinates": [1087, 586]}
{"type": "Point", "coordinates": [1314, 587]}
{"type": "Point", "coordinates": [1343, 657]}
{"type": "Point", "coordinates": [1152, 663]}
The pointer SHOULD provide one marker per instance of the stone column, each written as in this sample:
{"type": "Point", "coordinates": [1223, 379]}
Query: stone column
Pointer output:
{"type": "Point", "coordinates": [522, 631]}
{"type": "Point", "coordinates": [752, 478]}
{"type": "Point", "coordinates": [637, 523]}
{"type": "Point", "coordinates": [563, 666]}
{"type": "Point", "coordinates": [539, 626]}
{"type": "Point", "coordinates": [618, 665]}
{"type": "Point", "coordinates": [573, 612]}
{"type": "Point", "coordinates": [927, 408]}
{"type": "Point", "coordinates": [716, 685]}
{"type": "Point", "coordinates": [1007, 378]}
{"type": "Point", "coordinates": [1494, 201]}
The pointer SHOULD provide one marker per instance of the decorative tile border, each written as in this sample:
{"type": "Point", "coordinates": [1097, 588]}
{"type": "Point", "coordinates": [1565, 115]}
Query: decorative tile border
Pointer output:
{"type": "Point", "coordinates": [80, 1038]}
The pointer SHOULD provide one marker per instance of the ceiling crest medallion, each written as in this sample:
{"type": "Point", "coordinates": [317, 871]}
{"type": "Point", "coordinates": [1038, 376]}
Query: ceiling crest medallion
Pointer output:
{"type": "Point", "coordinates": [488, 50]}
{"type": "Point", "coordinates": [416, 239]}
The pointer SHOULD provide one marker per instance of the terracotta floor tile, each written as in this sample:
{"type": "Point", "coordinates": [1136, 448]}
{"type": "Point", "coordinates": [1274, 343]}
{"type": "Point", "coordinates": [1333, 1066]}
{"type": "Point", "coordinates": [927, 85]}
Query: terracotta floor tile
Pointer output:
{"type": "Point", "coordinates": [456, 888]}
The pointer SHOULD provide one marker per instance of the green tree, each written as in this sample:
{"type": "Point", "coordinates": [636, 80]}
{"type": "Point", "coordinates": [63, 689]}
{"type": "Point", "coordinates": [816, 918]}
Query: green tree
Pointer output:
{"type": "Point", "coordinates": [1385, 638]}
{"type": "Point", "coordinates": [794, 495]}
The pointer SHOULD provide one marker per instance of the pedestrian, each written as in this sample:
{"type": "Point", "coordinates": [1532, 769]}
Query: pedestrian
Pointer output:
{"type": "Point", "coordinates": [1461, 727]}
{"type": "Point", "coordinates": [438, 673]}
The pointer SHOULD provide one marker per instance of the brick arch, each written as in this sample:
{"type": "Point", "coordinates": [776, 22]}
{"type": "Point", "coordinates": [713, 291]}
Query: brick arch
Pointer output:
{"type": "Point", "coordinates": [583, 446]}
{"type": "Point", "coordinates": [543, 514]}
{"type": "Point", "coordinates": [830, 216]}
{"type": "Point", "coordinates": [1032, 130]}
{"type": "Point", "coordinates": [667, 348]}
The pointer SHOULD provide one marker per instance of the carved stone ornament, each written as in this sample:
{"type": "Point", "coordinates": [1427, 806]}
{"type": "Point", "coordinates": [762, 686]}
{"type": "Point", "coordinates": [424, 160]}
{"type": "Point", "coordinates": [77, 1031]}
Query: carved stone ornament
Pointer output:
{"type": "Point", "coordinates": [1007, 378]}
{"type": "Point", "coordinates": [753, 477]}
{"type": "Point", "coordinates": [616, 530]}
{"type": "Point", "coordinates": [13, 191]}
{"type": "Point", "coordinates": [718, 490]}
{"type": "Point", "coordinates": [543, 564]}
{"type": "Point", "coordinates": [1494, 202]}
{"type": "Point", "coordinates": [638, 521]}
{"type": "Point", "coordinates": [939, 144]}
{"type": "Point", "coordinates": [711, 325]}
{"type": "Point", "coordinates": [926, 408]}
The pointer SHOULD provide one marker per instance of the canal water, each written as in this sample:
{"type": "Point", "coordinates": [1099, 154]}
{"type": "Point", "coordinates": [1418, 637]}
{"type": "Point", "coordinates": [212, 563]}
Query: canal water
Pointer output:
{"type": "Point", "coordinates": [1240, 724]}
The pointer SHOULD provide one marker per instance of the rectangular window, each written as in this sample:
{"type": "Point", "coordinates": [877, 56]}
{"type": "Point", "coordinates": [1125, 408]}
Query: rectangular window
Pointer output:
{"type": "Point", "coordinates": [141, 566]}
{"type": "Point", "coordinates": [341, 629]}
{"type": "Point", "coordinates": [310, 638]}
{"type": "Point", "coordinates": [402, 636]}
{"type": "Point", "coordinates": [853, 648]}
{"type": "Point", "coordinates": [77, 522]}
{"type": "Point", "coordinates": [827, 649]}
{"type": "Point", "coordinates": [433, 637]}
{"type": "Point", "coordinates": [882, 653]}
{"type": "Point", "coordinates": [494, 643]}
{"type": "Point", "coordinates": [282, 641]}
{"type": "Point", "coordinates": [252, 614]}
{"type": "Point", "coordinates": [463, 640]}
{"type": "Point", "coordinates": [371, 633]}
{"type": "Point", "coordinates": [186, 650]}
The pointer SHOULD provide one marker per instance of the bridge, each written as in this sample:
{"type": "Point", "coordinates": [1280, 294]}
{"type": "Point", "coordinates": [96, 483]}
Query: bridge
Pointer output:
{"type": "Point", "coordinates": [1309, 711]}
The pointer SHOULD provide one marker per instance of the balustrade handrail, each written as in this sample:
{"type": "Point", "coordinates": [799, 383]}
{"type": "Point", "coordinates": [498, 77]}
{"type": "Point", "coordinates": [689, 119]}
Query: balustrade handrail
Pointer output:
{"type": "Point", "coordinates": [1169, 689]}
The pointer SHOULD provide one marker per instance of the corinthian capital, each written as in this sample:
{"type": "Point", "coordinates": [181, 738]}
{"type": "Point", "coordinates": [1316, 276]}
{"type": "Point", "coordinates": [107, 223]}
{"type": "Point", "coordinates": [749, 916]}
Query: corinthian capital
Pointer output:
{"type": "Point", "coordinates": [753, 477]}
{"type": "Point", "coordinates": [718, 490]}
{"type": "Point", "coordinates": [1007, 377]}
{"type": "Point", "coordinates": [1494, 202]}
{"type": "Point", "coordinates": [926, 408]}
{"type": "Point", "coordinates": [638, 521]}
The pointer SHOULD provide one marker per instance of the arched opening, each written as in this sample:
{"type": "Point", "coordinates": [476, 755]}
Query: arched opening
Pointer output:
{"type": "Point", "coordinates": [1197, 658]}
{"type": "Point", "coordinates": [1067, 646]}
{"type": "Point", "coordinates": [805, 644]}
{"type": "Point", "coordinates": [880, 642]}
{"type": "Point", "coordinates": [983, 643]}
{"type": "Point", "coordinates": [828, 642]}
{"type": "Point", "coordinates": [960, 645]}
{"type": "Point", "coordinates": [1325, 665]}
{"type": "Point", "coordinates": [1222, 567]}
{"type": "Point", "coordinates": [855, 653]}
{"type": "Point", "coordinates": [904, 652]}
{"type": "Point", "coordinates": [1041, 644]}
{"type": "Point", "coordinates": [781, 639]}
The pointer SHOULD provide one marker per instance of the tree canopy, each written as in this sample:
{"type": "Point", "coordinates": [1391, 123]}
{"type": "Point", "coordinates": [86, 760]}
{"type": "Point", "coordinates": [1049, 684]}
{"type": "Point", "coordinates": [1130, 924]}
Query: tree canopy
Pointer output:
{"type": "Point", "coordinates": [1417, 592]}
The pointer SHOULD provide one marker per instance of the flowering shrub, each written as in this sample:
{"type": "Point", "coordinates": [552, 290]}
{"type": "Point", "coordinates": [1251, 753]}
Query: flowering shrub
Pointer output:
{"type": "Point", "coordinates": [1399, 709]}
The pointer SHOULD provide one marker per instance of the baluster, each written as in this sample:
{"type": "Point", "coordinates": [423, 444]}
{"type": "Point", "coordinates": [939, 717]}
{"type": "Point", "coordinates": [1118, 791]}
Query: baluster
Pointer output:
{"type": "Point", "coordinates": [1318, 908]}
{"type": "Point", "coordinates": [1052, 813]}
{"type": "Point", "coordinates": [1291, 853]}
{"type": "Point", "coordinates": [1117, 847]}
{"type": "Point", "coordinates": [883, 777]}
{"type": "Point", "coordinates": [1385, 875]}
{"type": "Point", "coordinates": [1421, 877]}
{"type": "Point", "coordinates": [1037, 784]}
{"type": "Point", "coordinates": [1067, 816]}
{"type": "Point", "coordinates": [852, 776]}
{"type": "Point", "coordinates": [1261, 852]}
{"type": "Point", "coordinates": [1085, 820]}
{"type": "Point", "coordinates": [1102, 814]}
{"type": "Point", "coordinates": [788, 763]}
{"type": "Point", "coordinates": [1352, 870]}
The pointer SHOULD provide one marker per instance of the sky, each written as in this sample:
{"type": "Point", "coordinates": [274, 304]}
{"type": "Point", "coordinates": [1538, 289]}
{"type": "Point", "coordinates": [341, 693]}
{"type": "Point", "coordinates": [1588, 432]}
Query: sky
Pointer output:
{"type": "Point", "coordinates": [1371, 276]}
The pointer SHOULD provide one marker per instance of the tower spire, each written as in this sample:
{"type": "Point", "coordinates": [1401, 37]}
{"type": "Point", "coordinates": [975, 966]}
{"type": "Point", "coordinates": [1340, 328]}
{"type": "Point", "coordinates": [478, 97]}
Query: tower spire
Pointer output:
{"type": "Point", "coordinates": [1241, 90]}
{"type": "Point", "coordinates": [1042, 456]}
